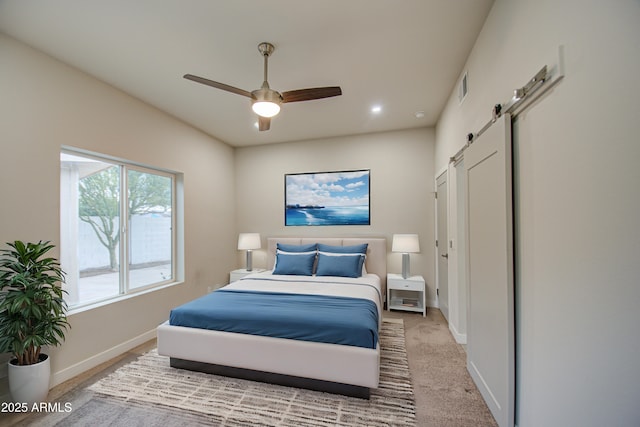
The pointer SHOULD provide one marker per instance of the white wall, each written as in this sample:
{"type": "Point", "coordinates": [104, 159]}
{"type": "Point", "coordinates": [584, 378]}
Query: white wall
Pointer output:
{"type": "Point", "coordinates": [402, 190]}
{"type": "Point", "coordinates": [44, 105]}
{"type": "Point", "coordinates": [577, 200]}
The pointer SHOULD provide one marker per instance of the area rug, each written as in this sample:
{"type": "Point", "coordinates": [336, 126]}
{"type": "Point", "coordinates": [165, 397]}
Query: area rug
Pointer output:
{"type": "Point", "coordinates": [149, 392]}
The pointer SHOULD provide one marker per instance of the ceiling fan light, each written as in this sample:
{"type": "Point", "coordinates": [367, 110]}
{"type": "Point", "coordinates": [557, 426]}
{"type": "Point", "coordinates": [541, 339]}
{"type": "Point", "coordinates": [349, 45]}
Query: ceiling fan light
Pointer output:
{"type": "Point", "coordinates": [265, 108]}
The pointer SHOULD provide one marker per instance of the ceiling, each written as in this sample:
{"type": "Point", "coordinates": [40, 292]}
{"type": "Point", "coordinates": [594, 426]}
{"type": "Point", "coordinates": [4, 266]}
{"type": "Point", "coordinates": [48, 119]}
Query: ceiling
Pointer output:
{"type": "Point", "coordinates": [405, 56]}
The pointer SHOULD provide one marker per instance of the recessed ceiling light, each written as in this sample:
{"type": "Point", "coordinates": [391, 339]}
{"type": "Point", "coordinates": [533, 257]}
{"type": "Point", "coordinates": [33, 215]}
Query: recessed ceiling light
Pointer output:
{"type": "Point", "coordinates": [419, 114]}
{"type": "Point", "coordinates": [376, 109]}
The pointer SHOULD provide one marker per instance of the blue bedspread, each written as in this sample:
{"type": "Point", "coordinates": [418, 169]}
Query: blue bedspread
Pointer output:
{"type": "Point", "coordinates": [318, 318]}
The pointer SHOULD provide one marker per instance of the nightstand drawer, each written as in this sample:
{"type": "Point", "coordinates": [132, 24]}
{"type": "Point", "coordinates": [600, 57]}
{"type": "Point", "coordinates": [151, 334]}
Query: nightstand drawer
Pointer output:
{"type": "Point", "coordinates": [406, 285]}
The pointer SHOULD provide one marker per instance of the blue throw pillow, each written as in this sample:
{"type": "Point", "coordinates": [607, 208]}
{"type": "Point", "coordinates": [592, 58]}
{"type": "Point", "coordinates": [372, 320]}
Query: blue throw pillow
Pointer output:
{"type": "Point", "coordinates": [342, 266]}
{"type": "Point", "coordinates": [297, 248]}
{"type": "Point", "coordinates": [294, 264]}
{"type": "Point", "coordinates": [359, 249]}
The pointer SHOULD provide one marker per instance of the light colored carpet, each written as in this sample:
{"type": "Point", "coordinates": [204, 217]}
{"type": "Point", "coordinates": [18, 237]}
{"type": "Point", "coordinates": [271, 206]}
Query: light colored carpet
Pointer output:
{"type": "Point", "coordinates": [444, 391]}
{"type": "Point", "coordinates": [149, 392]}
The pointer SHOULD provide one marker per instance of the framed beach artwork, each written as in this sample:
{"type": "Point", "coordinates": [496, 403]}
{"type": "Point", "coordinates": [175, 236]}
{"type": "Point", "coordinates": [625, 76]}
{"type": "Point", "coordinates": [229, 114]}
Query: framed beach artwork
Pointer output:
{"type": "Point", "coordinates": [327, 198]}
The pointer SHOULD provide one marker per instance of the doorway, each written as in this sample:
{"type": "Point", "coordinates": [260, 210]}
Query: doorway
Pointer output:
{"type": "Point", "coordinates": [442, 240]}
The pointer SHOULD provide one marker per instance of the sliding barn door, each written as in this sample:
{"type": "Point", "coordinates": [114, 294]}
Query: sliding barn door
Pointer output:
{"type": "Point", "coordinates": [490, 337]}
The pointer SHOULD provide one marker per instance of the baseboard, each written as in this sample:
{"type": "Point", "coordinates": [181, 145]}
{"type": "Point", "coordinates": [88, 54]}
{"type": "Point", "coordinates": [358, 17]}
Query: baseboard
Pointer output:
{"type": "Point", "coordinates": [433, 303]}
{"type": "Point", "coordinates": [460, 338]}
{"type": "Point", "coordinates": [93, 361]}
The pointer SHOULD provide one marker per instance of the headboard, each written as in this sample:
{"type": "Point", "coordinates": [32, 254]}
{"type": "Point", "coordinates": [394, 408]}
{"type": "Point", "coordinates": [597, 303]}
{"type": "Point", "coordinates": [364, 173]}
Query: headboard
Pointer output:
{"type": "Point", "coordinates": [375, 262]}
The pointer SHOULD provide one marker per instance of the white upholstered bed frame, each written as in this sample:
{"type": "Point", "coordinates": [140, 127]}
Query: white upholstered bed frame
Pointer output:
{"type": "Point", "coordinates": [328, 367]}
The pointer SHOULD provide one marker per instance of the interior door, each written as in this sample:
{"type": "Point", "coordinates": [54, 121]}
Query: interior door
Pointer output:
{"type": "Point", "coordinates": [442, 238]}
{"type": "Point", "coordinates": [489, 238]}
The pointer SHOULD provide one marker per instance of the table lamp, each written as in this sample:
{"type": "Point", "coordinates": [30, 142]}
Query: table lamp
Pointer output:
{"type": "Point", "coordinates": [406, 244]}
{"type": "Point", "coordinates": [248, 242]}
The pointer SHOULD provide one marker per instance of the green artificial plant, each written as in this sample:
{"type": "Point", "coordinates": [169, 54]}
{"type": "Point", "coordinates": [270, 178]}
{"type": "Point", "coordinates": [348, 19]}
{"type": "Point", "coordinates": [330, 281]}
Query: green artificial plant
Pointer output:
{"type": "Point", "coordinates": [32, 308]}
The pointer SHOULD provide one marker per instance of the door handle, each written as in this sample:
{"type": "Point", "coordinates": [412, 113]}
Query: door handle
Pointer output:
{"type": "Point", "coordinates": [445, 255]}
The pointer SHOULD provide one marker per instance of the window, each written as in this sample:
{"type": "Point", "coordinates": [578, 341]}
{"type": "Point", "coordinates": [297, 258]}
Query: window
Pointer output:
{"type": "Point", "coordinates": [113, 211]}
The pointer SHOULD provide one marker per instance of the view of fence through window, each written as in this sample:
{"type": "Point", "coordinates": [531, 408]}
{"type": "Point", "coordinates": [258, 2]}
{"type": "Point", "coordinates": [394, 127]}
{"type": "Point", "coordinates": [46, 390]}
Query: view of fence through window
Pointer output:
{"type": "Point", "coordinates": [96, 195]}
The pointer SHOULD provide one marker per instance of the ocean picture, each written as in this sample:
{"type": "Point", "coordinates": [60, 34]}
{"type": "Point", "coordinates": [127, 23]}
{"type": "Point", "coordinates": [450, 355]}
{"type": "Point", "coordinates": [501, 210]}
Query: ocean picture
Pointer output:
{"type": "Point", "coordinates": [327, 198]}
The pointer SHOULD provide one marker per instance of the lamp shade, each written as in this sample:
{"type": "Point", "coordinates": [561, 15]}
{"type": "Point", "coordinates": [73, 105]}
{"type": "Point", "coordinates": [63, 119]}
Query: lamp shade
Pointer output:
{"type": "Point", "coordinates": [405, 243]}
{"type": "Point", "coordinates": [265, 108]}
{"type": "Point", "coordinates": [266, 102]}
{"type": "Point", "coordinates": [248, 241]}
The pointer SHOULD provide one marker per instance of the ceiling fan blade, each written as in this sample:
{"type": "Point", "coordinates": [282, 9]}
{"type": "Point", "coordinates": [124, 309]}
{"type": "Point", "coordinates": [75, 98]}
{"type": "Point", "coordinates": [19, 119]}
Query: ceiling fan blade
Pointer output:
{"type": "Point", "coordinates": [311, 94]}
{"type": "Point", "coordinates": [264, 123]}
{"type": "Point", "coordinates": [217, 85]}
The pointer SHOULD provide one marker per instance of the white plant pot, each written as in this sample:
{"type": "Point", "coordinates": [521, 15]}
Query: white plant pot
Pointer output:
{"type": "Point", "coordinates": [30, 383]}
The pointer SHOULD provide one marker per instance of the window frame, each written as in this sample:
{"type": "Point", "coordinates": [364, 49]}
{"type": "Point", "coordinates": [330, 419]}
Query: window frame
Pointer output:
{"type": "Point", "coordinates": [124, 277]}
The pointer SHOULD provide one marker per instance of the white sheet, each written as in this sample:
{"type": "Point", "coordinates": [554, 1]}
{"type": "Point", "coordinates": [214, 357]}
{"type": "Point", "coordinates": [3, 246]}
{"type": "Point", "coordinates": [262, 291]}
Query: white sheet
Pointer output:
{"type": "Point", "coordinates": [365, 287]}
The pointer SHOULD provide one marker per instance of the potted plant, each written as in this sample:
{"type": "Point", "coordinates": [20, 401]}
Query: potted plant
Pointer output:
{"type": "Point", "coordinates": [32, 315]}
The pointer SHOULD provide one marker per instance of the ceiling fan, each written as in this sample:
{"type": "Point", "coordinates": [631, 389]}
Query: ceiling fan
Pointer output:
{"type": "Point", "coordinates": [266, 101]}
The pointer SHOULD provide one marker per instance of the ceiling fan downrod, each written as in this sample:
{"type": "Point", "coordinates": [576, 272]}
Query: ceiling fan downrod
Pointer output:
{"type": "Point", "coordinates": [266, 49]}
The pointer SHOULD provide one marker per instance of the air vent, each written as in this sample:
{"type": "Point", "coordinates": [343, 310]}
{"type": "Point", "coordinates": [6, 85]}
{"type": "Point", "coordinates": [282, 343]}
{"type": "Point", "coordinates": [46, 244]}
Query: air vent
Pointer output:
{"type": "Point", "coordinates": [463, 87]}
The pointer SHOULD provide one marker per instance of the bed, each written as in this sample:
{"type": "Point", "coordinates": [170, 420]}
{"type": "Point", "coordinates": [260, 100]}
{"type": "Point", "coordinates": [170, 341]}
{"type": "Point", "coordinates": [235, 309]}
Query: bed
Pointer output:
{"type": "Point", "coordinates": [337, 367]}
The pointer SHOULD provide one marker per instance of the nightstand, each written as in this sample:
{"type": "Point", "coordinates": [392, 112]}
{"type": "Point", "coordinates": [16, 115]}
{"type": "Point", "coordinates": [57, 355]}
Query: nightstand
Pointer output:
{"type": "Point", "coordinates": [239, 274]}
{"type": "Point", "coordinates": [406, 294]}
